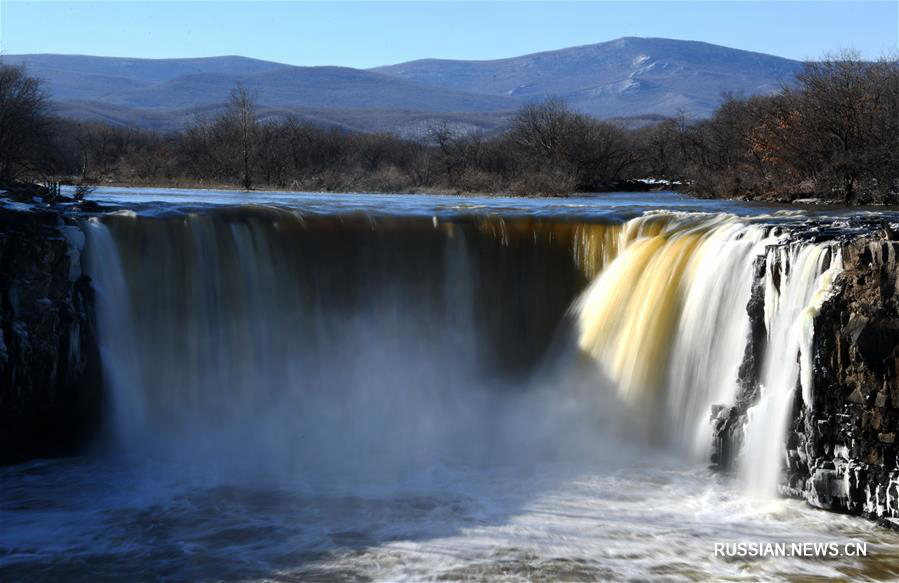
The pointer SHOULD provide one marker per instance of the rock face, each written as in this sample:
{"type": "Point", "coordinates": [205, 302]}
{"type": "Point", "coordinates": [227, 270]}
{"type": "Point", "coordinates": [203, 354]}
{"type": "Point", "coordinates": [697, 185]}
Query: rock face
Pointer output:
{"type": "Point", "coordinates": [49, 363]}
{"type": "Point", "coordinates": [841, 450]}
{"type": "Point", "coordinates": [728, 422]}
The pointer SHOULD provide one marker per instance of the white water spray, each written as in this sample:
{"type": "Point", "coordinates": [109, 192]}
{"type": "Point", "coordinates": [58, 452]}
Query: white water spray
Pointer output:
{"type": "Point", "coordinates": [797, 281]}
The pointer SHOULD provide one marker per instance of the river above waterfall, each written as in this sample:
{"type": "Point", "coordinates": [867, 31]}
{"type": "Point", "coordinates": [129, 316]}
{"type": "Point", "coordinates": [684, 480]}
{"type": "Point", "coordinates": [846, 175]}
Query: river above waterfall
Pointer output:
{"type": "Point", "coordinates": [411, 387]}
{"type": "Point", "coordinates": [604, 205]}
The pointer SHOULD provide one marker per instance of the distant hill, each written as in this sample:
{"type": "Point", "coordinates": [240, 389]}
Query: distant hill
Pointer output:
{"type": "Point", "coordinates": [413, 124]}
{"type": "Point", "coordinates": [141, 70]}
{"type": "Point", "coordinates": [315, 87]}
{"type": "Point", "coordinates": [626, 78]}
{"type": "Point", "coordinates": [83, 77]}
{"type": "Point", "coordinates": [180, 83]}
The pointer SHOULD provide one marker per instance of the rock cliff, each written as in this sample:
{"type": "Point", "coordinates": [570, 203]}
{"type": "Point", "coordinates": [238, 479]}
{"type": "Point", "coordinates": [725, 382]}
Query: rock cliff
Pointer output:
{"type": "Point", "coordinates": [49, 364]}
{"type": "Point", "coordinates": [841, 450]}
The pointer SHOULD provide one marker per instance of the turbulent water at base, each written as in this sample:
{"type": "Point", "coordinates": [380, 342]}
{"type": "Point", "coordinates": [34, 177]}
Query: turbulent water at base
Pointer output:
{"type": "Point", "coordinates": [360, 387]}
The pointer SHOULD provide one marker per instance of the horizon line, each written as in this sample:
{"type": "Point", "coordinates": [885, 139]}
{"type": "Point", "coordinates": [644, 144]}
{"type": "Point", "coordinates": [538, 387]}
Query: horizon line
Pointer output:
{"type": "Point", "coordinates": [278, 62]}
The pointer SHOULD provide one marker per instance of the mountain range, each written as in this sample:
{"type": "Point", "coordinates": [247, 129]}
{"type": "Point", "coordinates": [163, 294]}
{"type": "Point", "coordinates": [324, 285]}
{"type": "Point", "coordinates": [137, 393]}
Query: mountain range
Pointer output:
{"type": "Point", "coordinates": [625, 78]}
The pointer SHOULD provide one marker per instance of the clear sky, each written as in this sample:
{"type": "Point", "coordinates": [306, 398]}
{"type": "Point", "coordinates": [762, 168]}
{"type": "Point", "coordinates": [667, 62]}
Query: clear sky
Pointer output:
{"type": "Point", "coordinates": [367, 34]}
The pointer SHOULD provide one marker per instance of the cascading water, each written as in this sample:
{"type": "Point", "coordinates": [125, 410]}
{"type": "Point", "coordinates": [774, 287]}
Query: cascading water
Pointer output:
{"type": "Point", "coordinates": [227, 335]}
{"type": "Point", "coordinates": [667, 320]}
{"type": "Point", "coordinates": [236, 321]}
{"type": "Point", "coordinates": [319, 390]}
{"type": "Point", "coordinates": [798, 278]}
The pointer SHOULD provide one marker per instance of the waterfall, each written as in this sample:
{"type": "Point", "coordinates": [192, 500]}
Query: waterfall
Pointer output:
{"type": "Point", "coordinates": [119, 353]}
{"type": "Point", "coordinates": [274, 340]}
{"type": "Point", "coordinates": [666, 320]}
{"type": "Point", "coordinates": [261, 329]}
{"type": "Point", "coordinates": [798, 279]}
{"type": "Point", "coordinates": [713, 329]}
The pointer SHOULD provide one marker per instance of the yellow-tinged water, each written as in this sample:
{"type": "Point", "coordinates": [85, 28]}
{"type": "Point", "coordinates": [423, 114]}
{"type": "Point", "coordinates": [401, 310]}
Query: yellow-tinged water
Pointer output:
{"type": "Point", "coordinates": [629, 316]}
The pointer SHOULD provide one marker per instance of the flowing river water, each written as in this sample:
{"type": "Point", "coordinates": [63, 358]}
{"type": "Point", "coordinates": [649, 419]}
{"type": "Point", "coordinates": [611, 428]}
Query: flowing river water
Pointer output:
{"type": "Point", "coordinates": [358, 387]}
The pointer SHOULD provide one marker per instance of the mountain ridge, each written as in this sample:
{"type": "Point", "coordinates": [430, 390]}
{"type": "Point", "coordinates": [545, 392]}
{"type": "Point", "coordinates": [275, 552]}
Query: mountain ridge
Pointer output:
{"type": "Point", "coordinates": [622, 78]}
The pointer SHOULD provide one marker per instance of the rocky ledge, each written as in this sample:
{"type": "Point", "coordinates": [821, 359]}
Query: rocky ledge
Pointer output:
{"type": "Point", "coordinates": [841, 451]}
{"type": "Point", "coordinates": [49, 364]}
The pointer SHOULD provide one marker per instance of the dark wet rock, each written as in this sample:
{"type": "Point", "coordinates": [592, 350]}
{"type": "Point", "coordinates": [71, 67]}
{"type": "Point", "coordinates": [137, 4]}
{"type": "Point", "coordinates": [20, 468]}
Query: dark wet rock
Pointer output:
{"type": "Point", "coordinates": [854, 412]}
{"type": "Point", "coordinates": [825, 489]}
{"type": "Point", "coordinates": [727, 430]}
{"type": "Point", "coordinates": [24, 192]}
{"type": "Point", "coordinates": [89, 206]}
{"type": "Point", "coordinates": [841, 451]}
{"type": "Point", "coordinates": [49, 363]}
{"type": "Point", "coordinates": [750, 369]}
{"type": "Point", "coordinates": [728, 422]}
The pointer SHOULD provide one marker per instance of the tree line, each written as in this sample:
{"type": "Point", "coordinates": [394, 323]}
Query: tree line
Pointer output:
{"type": "Point", "coordinates": [831, 134]}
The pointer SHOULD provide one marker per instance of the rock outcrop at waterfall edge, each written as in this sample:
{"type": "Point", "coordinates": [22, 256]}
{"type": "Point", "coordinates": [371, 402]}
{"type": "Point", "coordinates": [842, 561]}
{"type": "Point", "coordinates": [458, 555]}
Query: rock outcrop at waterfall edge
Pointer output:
{"type": "Point", "coordinates": [841, 450]}
{"type": "Point", "coordinates": [728, 421]}
{"type": "Point", "coordinates": [49, 363]}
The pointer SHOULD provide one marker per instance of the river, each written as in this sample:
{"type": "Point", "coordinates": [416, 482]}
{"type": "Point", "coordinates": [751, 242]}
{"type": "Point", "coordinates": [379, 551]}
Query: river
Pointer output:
{"type": "Point", "coordinates": [409, 387]}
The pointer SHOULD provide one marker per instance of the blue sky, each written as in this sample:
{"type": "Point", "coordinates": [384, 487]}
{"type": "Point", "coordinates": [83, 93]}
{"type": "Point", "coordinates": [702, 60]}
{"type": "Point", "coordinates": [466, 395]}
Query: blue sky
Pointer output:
{"type": "Point", "coordinates": [367, 34]}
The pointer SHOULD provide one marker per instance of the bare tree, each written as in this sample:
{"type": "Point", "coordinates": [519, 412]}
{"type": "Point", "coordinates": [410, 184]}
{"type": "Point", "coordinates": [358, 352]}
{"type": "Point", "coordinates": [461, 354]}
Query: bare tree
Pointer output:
{"type": "Point", "coordinates": [542, 129]}
{"type": "Point", "coordinates": [242, 109]}
{"type": "Point", "coordinates": [570, 149]}
{"type": "Point", "coordinates": [457, 150]}
{"type": "Point", "coordinates": [26, 126]}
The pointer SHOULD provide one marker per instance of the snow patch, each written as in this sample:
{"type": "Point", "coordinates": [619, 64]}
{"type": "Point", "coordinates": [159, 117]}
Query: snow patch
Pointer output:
{"type": "Point", "coordinates": [658, 181]}
{"type": "Point", "coordinates": [75, 238]}
{"type": "Point", "coordinates": [16, 206]}
{"type": "Point", "coordinates": [613, 88]}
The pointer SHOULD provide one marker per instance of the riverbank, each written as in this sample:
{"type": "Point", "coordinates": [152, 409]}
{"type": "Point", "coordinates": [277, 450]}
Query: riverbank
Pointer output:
{"type": "Point", "coordinates": [76, 191]}
{"type": "Point", "coordinates": [641, 185]}
{"type": "Point", "coordinates": [644, 185]}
